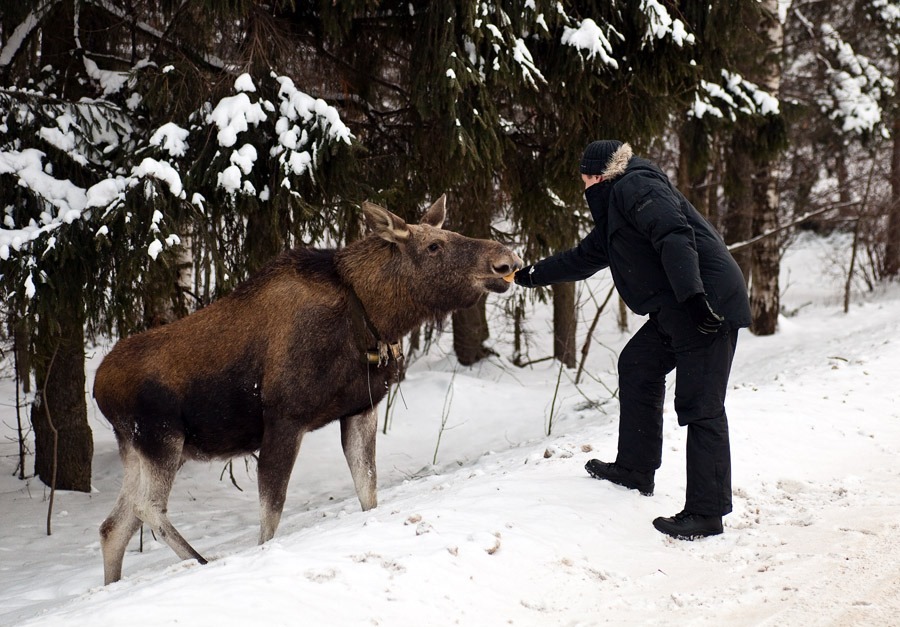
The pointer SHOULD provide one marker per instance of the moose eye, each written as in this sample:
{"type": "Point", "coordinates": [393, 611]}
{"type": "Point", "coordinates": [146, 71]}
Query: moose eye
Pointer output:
{"type": "Point", "coordinates": [433, 247]}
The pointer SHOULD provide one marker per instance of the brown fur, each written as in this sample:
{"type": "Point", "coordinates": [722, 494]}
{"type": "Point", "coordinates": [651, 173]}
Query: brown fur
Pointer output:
{"type": "Point", "coordinates": [280, 356]}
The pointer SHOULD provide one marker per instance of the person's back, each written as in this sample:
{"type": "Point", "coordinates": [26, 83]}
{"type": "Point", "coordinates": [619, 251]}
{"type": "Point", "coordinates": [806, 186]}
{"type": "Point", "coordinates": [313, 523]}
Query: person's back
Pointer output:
{"type": "Point", "coordinates": [722, 278]}
{"type": "Point", "coordinates": [667, 261]}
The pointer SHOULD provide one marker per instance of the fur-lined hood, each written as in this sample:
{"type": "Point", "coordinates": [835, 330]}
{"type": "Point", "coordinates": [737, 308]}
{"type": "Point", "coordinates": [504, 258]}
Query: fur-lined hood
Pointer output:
{"type": "Point", "coordinates": [617, 163]}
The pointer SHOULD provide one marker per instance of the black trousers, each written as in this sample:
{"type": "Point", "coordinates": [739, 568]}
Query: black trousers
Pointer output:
{"type": "Point", "coordinates": [702, 365]}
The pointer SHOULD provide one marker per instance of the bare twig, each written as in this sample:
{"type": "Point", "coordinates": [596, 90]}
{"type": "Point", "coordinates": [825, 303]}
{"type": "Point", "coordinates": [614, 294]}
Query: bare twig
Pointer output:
{"type": "Point", "coordinates": [445, 414]}
{"type": "Point", "coordinates": [784, 227]}
{"type": "Point", "coordinates": [230, 468]}
{"type": "Point", "coordinates": [590, 334]}
{"type": "Point", "coordinates": [553, 402]}
{"type": "Point", "coordinates": [532, 361]}
{"type": "Point", "coordinates": [389, 405]}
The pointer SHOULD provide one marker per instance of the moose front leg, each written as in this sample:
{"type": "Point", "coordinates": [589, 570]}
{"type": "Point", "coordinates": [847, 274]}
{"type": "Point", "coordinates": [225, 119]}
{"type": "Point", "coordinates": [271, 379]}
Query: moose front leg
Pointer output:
{"type": "Point", "coordinates": [358, 439]}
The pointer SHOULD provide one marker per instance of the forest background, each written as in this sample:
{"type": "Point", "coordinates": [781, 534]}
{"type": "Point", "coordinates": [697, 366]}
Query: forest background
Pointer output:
{"type": "Point", "coordinates": [154, 154]}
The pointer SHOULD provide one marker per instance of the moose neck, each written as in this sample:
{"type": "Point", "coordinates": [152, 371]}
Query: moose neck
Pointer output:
{"type": "Point", "coordinates": [366, 267]}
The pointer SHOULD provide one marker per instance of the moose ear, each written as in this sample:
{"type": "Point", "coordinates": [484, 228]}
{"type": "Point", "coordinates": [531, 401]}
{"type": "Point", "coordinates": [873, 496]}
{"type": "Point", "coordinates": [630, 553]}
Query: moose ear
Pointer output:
{"type": "Point", "coordinates": [436, 213]}
{"type": "Point", "coordinates": [385, 224]}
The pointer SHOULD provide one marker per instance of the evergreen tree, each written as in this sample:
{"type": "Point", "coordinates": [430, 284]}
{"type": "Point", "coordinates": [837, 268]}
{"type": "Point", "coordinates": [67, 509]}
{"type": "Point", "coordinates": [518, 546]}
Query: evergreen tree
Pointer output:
{"type": "Point", "coordinates": [126, 144]}
{"type": "Point", "coordinates": [611, 71]}
{"type": "Point", "coordinates": [737, 117]}
{"type": "Point", "coordinates": [843, 99]}
{"type": "Point", "coordinates": [880, 22]}
{"type": "Point", "coordinates": [152, 155]}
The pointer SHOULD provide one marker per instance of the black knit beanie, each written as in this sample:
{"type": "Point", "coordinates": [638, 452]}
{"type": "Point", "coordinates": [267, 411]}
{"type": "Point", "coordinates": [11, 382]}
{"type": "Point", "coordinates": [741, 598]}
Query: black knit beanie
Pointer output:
{"type": "Point", "coordinates": [596, 155]}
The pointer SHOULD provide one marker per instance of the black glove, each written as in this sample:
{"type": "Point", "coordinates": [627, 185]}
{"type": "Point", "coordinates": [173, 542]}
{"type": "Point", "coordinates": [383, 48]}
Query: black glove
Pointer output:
{"type": "Point", "coordinates": [707, 320]}
{"type": "Point", "coordinates": [523, 277]}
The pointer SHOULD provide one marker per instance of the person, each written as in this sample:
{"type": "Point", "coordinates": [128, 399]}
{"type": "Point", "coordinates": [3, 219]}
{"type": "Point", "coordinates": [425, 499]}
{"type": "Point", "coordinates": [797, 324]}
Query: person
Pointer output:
{"type": "Point", "coordinates": [669, 263]}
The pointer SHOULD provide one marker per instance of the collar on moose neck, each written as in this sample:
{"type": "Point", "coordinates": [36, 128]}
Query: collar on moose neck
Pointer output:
{"type": "Point", "coordinates": [383, 351]}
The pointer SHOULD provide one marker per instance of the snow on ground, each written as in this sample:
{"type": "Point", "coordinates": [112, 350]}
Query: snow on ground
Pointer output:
{"type": "Point", "coordinates": [506, 528]}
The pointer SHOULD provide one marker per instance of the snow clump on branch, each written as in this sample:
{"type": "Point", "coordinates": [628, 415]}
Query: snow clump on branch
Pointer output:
{"type": "Point", "coordinates": [733, 98]}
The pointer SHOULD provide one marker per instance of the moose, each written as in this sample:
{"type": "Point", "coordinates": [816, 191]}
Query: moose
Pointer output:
{"type": "Point", "coordinates": [310, 339]}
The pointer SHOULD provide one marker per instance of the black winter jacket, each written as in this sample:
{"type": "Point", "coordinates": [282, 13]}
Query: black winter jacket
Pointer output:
{"type": "Point", "coordinates": [659, 248]}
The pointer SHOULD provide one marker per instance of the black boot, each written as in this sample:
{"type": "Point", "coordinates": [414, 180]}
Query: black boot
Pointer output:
{"type": "Point", "coordinates": [687, 526]}
{"type": "Point", "coordinates": [632, 479]}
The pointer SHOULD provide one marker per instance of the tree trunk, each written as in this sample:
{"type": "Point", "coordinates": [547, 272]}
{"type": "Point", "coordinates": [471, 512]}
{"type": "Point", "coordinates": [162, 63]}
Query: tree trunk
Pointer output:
{"type": "Point", "coordinates": [168, 289]}
{"type": "Point", "coordinates": [470, 327]}
{"type": "Point", "coordinates": [804, 176]}
{"type": "Point", "coordinates": [765, 257]}
{"type": "Point", "coordinates": [564, 323]}
{"type": "Point", "coordinates": [765, 254]}
{"type": "Point", "coordinates": [470, 330]}
{"type": "Point", "coordinates": [737, 223]}
{"type": "Point", "coordinates": [23, 354]}
{"type": "Point", "coordinates": [622, 318]}
{"type": "Point", "coordinates": [519, 329]}
{"type": "Point", "coordinates": [693, 165]}
{"type": "Point", "coordinates": [264, 237]}
{"type": "Point", "coordinates": [63, 443]}
{"type": "Point", "coordinates": [712, 190]}
{"type": "Point", "coordinates": [64, 383]}
{"type": "Point", "coordinates": [892, 245]}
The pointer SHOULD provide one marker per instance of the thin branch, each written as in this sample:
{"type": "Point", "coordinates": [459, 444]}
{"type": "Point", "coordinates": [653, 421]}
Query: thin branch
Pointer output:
{"type": "Point", "coordinates": [339, 61]}
{"type": "Point", "coordinates": [445, 415]}
{"type": "Point", "coordinates": [165, 34]}
{"type": "Point", "coordinates": [553, 402]}
{"type": "Point", "coordinates": [522, 364]}
{"type": "Point", "coordinates": [208, 60]}
{"type": "Point", "coordinates": [230, 468]}
{"type": "Point", "coordinates": [784, 227]}
{"type": "Point", "coordinates": [590, 334]}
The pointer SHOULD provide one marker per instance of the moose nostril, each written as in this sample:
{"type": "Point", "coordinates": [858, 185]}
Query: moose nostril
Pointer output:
{"type": "Point", "coordinates": [511, 264]}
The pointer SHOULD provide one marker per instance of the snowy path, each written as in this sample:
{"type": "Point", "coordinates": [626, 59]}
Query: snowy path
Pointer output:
{"type": "Point", "coordinates": [507, 529]}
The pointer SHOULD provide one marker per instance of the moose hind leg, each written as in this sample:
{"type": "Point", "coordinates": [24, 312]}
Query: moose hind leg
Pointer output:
{"type": "Point", "coordinates": [277, 455]}
{"type": "Point", "coordinates": [358, 440]}
{"type": "Point", "coordinates": [122, 523]}
{"type": "Point", "coordinates": [157, 476]}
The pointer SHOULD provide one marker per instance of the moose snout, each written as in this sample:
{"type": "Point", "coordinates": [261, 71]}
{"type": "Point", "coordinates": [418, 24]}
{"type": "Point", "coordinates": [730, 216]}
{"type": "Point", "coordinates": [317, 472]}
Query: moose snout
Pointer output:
{"type": "Point", "coordinates": [507, 264]}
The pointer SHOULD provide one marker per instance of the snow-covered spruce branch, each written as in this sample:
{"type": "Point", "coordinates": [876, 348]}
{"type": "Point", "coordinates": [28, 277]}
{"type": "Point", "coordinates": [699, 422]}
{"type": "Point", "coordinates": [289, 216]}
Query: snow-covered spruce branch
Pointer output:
{"type": "Point", "coordinates": [37, 96]}
{"type": "Point", "coordinates": [23, 31]}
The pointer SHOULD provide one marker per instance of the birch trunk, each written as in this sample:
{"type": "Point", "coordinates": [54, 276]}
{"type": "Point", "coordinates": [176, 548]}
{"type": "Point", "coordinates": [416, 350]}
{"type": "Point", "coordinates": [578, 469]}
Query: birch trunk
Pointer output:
{"type": "Point", "coordinates": [765, 256]}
